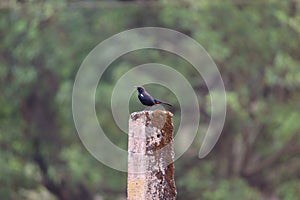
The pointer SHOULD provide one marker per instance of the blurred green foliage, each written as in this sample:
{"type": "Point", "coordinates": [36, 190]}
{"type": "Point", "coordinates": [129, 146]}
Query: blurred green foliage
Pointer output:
{"type": "Point", "coordinates": [255, 44]}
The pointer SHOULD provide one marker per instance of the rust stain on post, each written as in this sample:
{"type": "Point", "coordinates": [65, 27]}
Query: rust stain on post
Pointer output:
{"type": "Point", "coordinates": [150, 156]}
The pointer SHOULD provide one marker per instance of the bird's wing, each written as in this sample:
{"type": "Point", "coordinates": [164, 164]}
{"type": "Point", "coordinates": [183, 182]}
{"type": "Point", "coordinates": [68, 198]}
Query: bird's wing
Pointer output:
{"type": "Point", "coordinates": [146, 93]}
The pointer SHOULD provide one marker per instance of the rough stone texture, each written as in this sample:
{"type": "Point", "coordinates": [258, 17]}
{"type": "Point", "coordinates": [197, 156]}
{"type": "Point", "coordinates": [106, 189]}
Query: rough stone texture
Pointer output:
{"type": "Point", "coordinates": [150, 156]}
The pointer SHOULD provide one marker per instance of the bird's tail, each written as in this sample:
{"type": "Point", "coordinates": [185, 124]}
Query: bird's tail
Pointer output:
{"type": "Point", "coordinates": [161, 102]}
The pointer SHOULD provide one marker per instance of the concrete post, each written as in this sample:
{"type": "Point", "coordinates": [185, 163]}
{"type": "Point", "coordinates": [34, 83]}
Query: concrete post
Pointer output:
{"type": "Point", "coordinates": [150, 156]}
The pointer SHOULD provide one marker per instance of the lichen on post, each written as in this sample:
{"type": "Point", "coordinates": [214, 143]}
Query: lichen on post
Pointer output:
{"type": "Point", "coordinates": [150, 156]}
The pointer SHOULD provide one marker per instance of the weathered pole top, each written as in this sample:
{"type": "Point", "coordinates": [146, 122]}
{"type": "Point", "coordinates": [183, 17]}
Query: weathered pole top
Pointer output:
{"type": "Point", "coordinates": [150, 156]}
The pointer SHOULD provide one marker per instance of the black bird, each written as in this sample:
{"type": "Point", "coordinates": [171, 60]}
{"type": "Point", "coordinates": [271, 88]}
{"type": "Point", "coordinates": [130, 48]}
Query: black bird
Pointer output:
{"type": "Point", "coordinates": [147, 100]}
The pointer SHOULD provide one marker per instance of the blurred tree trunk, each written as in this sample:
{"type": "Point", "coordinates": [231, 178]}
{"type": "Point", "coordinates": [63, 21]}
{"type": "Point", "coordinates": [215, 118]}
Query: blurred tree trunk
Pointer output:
{"type": "Point", "coordinates": [42, 131]}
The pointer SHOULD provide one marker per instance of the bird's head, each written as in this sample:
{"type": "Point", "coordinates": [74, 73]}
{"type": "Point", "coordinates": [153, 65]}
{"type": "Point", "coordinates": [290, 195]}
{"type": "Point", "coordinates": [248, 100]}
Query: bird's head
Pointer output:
{"type": "Point", "coordinates": [140, 89]}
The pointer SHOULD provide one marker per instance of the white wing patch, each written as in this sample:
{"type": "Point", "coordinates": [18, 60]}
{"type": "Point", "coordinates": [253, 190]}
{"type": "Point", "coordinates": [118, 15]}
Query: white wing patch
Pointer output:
{"type": "Point", "coordinates": [142, 95]}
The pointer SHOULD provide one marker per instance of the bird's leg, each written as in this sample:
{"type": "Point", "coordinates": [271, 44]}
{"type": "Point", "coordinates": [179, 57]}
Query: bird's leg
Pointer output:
{"type": "Point", "coordinates": [147, 108]}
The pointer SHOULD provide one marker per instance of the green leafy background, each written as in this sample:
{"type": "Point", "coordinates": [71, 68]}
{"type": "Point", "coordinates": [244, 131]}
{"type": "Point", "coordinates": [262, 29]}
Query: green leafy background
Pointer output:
{"type": "Point", "coordinates": [255, 45]}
